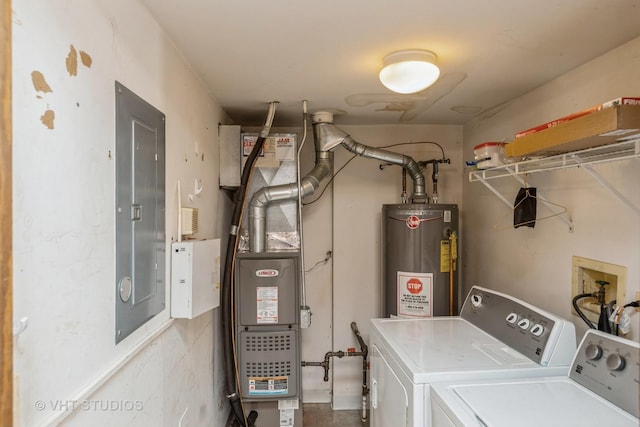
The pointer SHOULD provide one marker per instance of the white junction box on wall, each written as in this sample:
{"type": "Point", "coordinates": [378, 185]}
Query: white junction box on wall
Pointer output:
{"type": "Point", "coordinates": [195, 277]}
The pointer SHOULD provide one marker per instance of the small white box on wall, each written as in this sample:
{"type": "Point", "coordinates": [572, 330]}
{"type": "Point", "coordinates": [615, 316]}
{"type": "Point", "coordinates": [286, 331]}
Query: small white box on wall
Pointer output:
{"type": "Point", "coordinates": [195, 277]}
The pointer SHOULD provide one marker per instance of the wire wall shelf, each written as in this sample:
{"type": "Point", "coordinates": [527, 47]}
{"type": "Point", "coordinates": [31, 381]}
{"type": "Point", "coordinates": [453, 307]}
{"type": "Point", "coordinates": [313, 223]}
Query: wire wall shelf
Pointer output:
{"type": "Point", "coordinates": [629, 149]}
{"type": "Point", "coordinates": [585, 159]}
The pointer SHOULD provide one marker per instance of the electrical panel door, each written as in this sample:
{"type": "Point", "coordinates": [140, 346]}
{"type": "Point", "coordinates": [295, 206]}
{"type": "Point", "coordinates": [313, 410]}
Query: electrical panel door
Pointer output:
{"type": "Point", "coordinates": [140, 196]}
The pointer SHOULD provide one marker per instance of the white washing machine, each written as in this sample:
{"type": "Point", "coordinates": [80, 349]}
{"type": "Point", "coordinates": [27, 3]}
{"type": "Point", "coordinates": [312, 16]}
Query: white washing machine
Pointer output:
{"type": "Point", "coordinates": [601, 389]}
{"type": "Point", "coordinates": [496, 336]}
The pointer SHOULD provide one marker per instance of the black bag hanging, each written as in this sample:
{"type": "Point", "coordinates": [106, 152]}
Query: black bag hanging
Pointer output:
{"type": "Point", "coordinates": [525, 208]}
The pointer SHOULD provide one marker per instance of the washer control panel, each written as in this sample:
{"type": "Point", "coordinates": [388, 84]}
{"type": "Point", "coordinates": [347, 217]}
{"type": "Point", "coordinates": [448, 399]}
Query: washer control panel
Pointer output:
{"type": "Point", "coordinates": [609, 366]}
{"type": "Point", "coordinates": [525, 328]}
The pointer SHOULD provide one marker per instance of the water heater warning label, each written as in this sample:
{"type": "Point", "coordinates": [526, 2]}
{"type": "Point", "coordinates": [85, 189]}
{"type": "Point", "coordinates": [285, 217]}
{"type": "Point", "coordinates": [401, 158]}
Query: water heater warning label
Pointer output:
{"type": "Point", "coordinates": [415, 292]}
{"type": "Point", "coordinates": [268, 386]}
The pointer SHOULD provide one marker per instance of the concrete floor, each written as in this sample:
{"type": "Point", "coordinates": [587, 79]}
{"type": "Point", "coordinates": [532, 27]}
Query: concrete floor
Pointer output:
{"type": "Point", "coordinates": [321, 415]}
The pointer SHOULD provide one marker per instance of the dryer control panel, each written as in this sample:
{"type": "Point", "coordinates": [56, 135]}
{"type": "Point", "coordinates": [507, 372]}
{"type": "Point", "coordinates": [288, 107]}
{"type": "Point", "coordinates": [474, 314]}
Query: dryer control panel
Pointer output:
{"type": "Point", "coordinates": [541, 336]}
{"type": "Point", "coordinates": [609, 366]}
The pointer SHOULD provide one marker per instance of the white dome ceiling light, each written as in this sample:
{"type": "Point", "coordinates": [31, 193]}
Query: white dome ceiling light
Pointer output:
{"type": "Point", "coordinates": [409, 71]}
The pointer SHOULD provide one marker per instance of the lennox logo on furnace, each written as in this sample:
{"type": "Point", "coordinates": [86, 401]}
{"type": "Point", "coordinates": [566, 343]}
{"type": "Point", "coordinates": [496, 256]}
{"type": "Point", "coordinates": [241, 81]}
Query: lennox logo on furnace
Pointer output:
{"type": "Point", "coordinates": [267, 272]}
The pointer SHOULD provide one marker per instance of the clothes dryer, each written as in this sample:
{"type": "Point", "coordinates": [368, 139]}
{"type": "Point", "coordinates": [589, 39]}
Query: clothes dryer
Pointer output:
{"type": "Point", "coordinates": [601, 389]}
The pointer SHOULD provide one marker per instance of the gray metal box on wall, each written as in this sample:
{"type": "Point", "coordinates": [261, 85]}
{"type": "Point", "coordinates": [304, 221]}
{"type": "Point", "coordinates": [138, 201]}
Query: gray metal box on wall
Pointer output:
{"type": "Point", "coordinates": [140, 212]}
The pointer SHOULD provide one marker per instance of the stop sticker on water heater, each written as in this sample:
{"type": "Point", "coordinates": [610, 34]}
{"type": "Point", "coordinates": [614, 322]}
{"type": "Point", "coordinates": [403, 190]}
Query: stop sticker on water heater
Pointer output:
{"type": "Point", "coordinates": [415, 292]}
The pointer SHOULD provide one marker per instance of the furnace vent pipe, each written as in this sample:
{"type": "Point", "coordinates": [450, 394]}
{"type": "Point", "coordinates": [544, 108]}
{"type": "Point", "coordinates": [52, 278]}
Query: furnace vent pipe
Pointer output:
{"type": "Point", "coordinates": [326, 138]}
{"type": "Point", "coordinates": [411, 166]}
{"type": "Point", "coordinates": [280, 193]}
{"type": "Point", "coordinates": [330, 136]}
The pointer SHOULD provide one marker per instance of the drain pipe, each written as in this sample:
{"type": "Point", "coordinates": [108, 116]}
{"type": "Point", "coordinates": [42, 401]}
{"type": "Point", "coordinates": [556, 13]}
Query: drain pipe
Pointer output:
{"type": "Point", "coordinates": [305, 310]}
{"type": "Point", "coordinates": [364, 351]}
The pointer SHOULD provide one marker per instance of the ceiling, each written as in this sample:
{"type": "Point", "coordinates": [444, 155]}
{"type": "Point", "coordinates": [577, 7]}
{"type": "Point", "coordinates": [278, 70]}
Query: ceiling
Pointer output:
{"type": "Point", "coordinates": [329, 53]}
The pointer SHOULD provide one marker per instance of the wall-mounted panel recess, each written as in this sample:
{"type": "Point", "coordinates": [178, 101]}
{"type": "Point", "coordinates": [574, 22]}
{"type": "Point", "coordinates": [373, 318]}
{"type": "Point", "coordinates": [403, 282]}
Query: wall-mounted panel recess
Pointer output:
{"type": "Point", "coordinates": [588, 276]}
{"type": "Point", "coordinates": [140, 195]}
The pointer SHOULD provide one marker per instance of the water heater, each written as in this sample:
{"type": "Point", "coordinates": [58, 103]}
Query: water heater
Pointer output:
{"type": "Point", "coordinates": [420, 277]}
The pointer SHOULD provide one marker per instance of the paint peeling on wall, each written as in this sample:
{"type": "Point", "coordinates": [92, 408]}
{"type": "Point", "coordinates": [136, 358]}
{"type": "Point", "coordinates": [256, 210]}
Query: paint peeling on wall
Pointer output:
{"type": "Point", "coordinates": [72, 61]}
{"type": "Point", "coordinates": [85, 58]}
{"type": "Point", "coordinates": [39, 82]}
{"type": "Point", "coordinates": [47, 118]}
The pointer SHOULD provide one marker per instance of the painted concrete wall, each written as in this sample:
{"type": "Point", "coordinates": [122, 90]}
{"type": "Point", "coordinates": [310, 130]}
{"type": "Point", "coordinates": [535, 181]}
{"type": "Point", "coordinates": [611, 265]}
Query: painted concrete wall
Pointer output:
{"type": "Point", "coordinates": [167, 371]}
{"type": "Point", "coordinates": [64, 219]}
{"type": "Point", "coordinates": [535, 263]}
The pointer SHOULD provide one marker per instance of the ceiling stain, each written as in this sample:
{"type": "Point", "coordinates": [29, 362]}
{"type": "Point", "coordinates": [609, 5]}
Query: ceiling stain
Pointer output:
{"type": "Point", "coordinates": [85, 58]}
{"type": "Point", "coordinates": [47, 118]}
{"type": "Point", "coordinates": [398, 106]}
{"type": "Point", "coordinates": [39, 82]}
{"type": "Point", "coordinates": [72, 61]}
{"type": "Point", "coordinates": [466, 109]}
{"type": "Point", "coordinates": [409, 105]}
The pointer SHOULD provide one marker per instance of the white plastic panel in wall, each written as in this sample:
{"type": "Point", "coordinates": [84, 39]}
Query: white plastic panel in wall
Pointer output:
{"type": "Point", "coordinates": [195, 277]}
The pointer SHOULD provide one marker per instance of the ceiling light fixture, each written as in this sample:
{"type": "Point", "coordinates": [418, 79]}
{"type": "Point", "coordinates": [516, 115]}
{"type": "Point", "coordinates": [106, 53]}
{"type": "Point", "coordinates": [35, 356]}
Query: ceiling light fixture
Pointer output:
{"type": "Point", "coordinates": [409, 71]}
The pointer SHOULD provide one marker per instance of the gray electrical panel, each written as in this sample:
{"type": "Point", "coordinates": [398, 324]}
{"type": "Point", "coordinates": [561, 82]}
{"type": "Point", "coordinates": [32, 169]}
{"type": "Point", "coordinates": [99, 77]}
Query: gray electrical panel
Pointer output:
{"type": "Point", "coordinates": [140, 197]}
{"type": "Point", "coordinates": [267, 324]}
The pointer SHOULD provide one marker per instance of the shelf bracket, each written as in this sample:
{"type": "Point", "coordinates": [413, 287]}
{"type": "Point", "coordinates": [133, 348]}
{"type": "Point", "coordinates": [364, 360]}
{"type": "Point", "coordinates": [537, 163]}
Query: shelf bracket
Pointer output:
{"type": "Point", "coordinates": [595, 175]}
{"type": "Point", "coordinates": [496, 192]}
{"type": "Point", "coordinates": [551, 206]}
{"type": "Point", "coordinates": [622, 150]}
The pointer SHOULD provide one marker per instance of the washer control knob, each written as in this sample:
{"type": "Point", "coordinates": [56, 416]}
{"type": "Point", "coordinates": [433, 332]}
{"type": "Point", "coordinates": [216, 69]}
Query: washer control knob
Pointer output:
{"type": "Point", "coordinates": [593, 352]}
{"type": "Point", "coordinates": [537, 329]}
{"type": "Point", "coordinates": [615, 362]}
{"type": "Point", "coordinates": [512, 317]}
{"type": "Point", "coordinates": [476, 300]}
{"type": "Point", "coordinates": [524, 323]}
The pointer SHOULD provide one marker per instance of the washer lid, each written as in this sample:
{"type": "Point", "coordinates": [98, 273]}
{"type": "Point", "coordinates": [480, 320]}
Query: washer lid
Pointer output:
{"type": "Point", "coordinates": [451, 348]}
{"type": "Point", "coordinates": [537, 403]}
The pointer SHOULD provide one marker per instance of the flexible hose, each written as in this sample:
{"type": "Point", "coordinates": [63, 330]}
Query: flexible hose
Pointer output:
{"type": "Point", "coordinates": [579, 311]}
{"type": "Point", "coordinates": [227, 279]}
